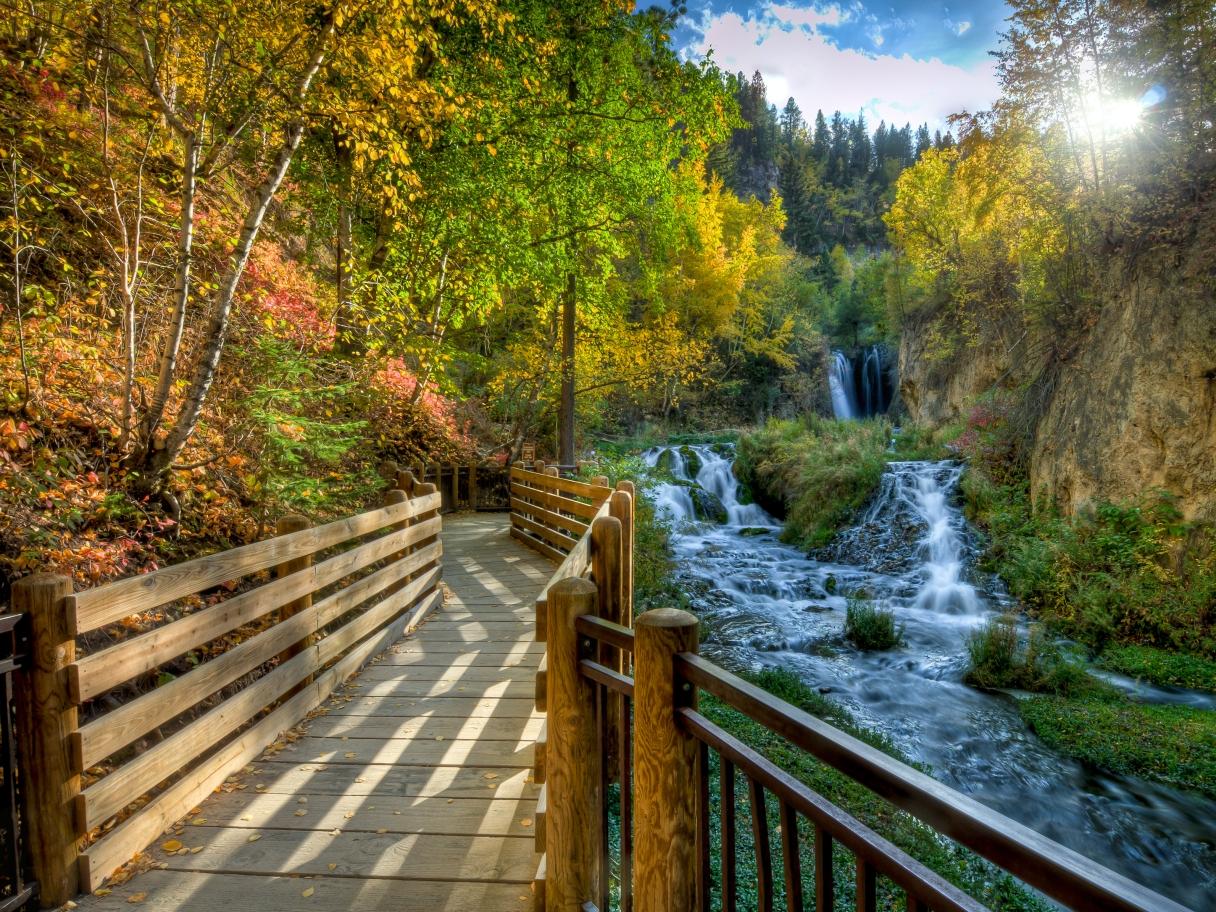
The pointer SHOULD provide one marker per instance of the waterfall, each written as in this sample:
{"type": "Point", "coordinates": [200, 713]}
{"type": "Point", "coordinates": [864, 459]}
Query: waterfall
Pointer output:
{"type": "Point", "coordinates": [840, 382]}
{"type": "Point", "coordinates": [858, 385]}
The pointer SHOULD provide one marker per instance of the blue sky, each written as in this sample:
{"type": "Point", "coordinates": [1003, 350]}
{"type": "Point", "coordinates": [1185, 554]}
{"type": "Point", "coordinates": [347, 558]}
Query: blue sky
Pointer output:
{"type": "Point", "coordinates": [900, 60]}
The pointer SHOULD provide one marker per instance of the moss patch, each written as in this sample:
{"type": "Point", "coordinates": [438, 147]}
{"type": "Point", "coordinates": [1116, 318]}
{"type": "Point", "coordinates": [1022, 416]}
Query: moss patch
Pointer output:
{"type": "Point", "coordinates": [1157, 666]}
{"type": "Point", "coordinates": [1175, 745]}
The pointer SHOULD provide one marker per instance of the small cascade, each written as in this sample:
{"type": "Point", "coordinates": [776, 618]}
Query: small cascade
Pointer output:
{"type": "Point", "coordinates": [711, 495]}
{"type": "Point", "coordinates": [859, 386]}
{"type": "Point", "coordinates": [717, 476]}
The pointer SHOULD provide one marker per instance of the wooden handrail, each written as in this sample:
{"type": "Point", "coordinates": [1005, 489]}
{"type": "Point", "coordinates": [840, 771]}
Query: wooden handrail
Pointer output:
{"type": "Point", "coordinates": [386, 585]}
{"type": "Point", "coordinates": [1067, 876]}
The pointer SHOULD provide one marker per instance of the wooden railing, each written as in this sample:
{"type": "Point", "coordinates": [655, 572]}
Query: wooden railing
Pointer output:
{"type": "Point", "coordinates": [17, 889]}
{"type": "Point", "coordinates": [466, 486]}
{"type": "Point", "coordinates": [377, 577]}
{"type": "Point", "coordinates": [625, 751]}
{"type": "Point", "coordinates": [551, 513]}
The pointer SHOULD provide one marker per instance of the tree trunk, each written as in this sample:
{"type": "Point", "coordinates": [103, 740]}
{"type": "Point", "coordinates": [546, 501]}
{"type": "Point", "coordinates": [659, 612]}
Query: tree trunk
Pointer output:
{"type": "Point", "coordinates": [217, 328]}
{"type": "Point", "coordinates": [565, 418]}
{"type": "Point", "coordinates": [181, 296]}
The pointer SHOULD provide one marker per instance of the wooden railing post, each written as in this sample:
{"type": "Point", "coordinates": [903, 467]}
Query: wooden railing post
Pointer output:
{"type": "Point", "coordinates": [46, 719]}
{"type": "Point", "coordinates": [573, 837]}
{"type": "Point", "coordinates": [606, 572]}
{"type": "Point", "coordinates": [294, 522]}
{"type": "Point", "coordinates": [621, 506]}
{"type": "Point", "coordinates": [665, 767]}
{"type": "Point", "coordinates": [406, 481]}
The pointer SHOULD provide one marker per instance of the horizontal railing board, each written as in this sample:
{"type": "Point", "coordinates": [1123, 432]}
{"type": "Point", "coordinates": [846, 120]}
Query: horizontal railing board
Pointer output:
{"type": "Point", "coordinates": [103, 857]}
{"type": "Point", "coordinates": [565, 485]}
{"type": "Point", "coordinates": [106, 734]}
{"type": "Point", "coordinates": [110, 794]}
{"type": "Point", "coordinates": [532, 500]}
{"type": "Point", "coordinates": [553, 537]}
{"type": "Point", "coordinates": [536, 544]}
{"type": "Point", "coordinates": [102, 671]}
{"type": "Point", "coordinates": [573, 525]}
{"type": "Point", "coordinates": [112, 602]}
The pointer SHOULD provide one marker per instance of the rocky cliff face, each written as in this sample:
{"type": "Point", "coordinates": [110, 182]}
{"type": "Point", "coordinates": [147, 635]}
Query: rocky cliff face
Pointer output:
{"type": "Point", "coordinates": [1136, 410]}
{"type": "Point", "coordinates": [936, 388]}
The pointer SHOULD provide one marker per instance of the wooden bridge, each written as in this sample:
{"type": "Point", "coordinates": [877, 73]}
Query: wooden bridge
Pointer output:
{"type": "Point", "coordinates": [529, 744]}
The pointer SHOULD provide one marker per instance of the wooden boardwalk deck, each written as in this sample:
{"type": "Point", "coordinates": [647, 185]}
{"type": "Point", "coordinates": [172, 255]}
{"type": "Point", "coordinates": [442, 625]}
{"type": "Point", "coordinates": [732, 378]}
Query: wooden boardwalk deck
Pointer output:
{"type": "Point", "coordinates": [412, 791]}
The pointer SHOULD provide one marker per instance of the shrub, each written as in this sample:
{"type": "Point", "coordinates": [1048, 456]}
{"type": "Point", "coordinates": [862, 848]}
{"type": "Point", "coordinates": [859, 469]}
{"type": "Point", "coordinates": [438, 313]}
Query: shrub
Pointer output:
{"type": "Point", "coordinates": [1000, 658]}
{"type": "Point", "coordinates": [871, 627]}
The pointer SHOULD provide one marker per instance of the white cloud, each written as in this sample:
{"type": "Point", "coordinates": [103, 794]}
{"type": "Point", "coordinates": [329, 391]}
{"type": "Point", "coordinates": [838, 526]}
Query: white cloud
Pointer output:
{"type": "Point", "coordinates": [819, 75]}
{"type": "Point", "coordinates": [807, 17]}
{"type": "Point", "coordinates": [959, 28]}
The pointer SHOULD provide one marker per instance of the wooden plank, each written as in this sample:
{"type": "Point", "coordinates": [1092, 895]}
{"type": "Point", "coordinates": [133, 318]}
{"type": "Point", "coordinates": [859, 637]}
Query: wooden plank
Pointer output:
{"type": "Point", "coordinates": [576, 527]}
{"type": "Point", "coordinates": [393, 856]}
{"type": "Point", "coordinates": [519, 648]}
{"type": "Point", "coordinates": [461, 707]}
{"type": "Point", "coordinates": [104, 670]}
{"type": "Point", "coordinates": [449, 674]}
{"type": "Point", "coordinates": [277, 777]}
{"type": "Point", "coordinates": [565, 485]}
{"type": "Point", "coordinates": [413, 752]}
{"type": "Point", "coordinates": [194, 891]}
{"type": "Point", "coordinates": [112, 731]}
{"type": "Point", "coordinates": [437, 689]}
{"type": "Point", "coordinates": [356, 728]}
{"type": "Point", "coordinates": [106, 797]}
{"type": "Point", "coordinates": [490, 816]}
{"type": "Point", "coordinates": [540, 685]}
{"type": "Point", "coordinates": [133, 834]}
{"type": "Point", "coordinates": [539, 751]}
{"type": "Point", "coordinates": [103, 605]}
{"type": "Point", "coordinates": [552, 536]}
{"type": "Point", "coordinates": [536, 544]}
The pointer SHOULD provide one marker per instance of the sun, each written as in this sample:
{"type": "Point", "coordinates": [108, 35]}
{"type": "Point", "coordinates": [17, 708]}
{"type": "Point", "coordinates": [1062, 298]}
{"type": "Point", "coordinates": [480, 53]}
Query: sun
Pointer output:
{"type": "Point", "coordinates": [1112, 116]}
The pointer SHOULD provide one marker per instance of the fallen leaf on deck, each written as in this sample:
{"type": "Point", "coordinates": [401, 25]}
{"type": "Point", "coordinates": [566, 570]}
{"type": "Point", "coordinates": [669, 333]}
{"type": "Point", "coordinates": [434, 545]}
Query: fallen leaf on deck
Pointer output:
{"type": "Point", "coordinates": [308, 891]}
{"type": "Point", "coordinates": [137, 897]}
{"type": "Point", "coordinates": [255, 837]}
{"type": "Point", "coordinates": [171, 846]}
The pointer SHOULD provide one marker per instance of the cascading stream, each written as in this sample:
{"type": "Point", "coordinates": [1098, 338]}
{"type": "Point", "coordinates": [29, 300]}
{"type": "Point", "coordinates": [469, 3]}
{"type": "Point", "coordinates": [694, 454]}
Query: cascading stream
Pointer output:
{"type": "Point", "coordinates": [912, 551]}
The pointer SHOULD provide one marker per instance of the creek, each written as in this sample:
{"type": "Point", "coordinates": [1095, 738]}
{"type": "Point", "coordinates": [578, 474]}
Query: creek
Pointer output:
{"type": "Point", "coordinates": [765, 603]}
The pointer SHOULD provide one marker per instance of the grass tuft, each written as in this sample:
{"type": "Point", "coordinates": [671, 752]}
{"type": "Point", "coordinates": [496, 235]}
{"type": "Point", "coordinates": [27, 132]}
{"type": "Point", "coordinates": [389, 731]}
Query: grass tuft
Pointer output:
{"type": "Point", "coordinates": [870, 627]}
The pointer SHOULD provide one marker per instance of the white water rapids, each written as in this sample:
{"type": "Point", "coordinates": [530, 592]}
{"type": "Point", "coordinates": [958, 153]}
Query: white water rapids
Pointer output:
{"type": "Point", "coordinates": [767, 604]}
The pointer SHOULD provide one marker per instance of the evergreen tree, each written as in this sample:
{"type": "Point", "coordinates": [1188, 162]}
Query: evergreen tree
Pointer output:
{"type": "Point", "coordinates": [923, 141]}
{"type": "Point", "coordinates": [792, 124]}
{"type": "Point", "coordinates": [821, 141]}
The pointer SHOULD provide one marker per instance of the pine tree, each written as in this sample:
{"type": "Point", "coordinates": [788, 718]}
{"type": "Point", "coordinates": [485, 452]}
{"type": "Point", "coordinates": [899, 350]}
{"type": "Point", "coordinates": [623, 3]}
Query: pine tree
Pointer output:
{"type": "Point", "coordinates": [821, 142]}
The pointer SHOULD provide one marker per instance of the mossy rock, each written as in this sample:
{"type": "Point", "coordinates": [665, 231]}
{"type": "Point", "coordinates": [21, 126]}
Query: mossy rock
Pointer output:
{"type": "Point", "coordinates": [692, 462]}
{"type": "Point", "coordinates": [752, 531]}
{"type": "Point", "coordinates": [708, 507]}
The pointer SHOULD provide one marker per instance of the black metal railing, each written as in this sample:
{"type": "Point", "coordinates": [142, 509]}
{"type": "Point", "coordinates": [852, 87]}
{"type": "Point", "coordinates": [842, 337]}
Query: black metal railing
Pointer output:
{"type": "Point", "coordinates": [16, 888]}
